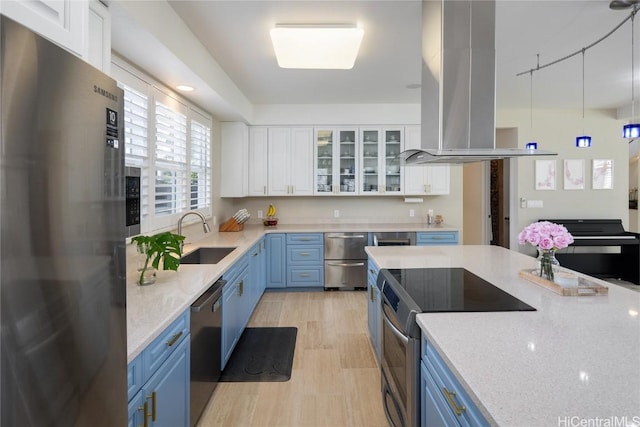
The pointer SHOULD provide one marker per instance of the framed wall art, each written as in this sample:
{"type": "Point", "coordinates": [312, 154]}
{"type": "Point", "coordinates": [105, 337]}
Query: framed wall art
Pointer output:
{"type": "Point", "coordinates": [602, 171]}
{"type": "Point", "coordinates": [545, 174]}
{"type": "Point", "coordinates": [574, 174]}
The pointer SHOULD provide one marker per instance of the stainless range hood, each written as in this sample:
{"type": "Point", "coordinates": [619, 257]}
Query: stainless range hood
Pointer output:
{"type": "Point", "coordinates": [458, 85]}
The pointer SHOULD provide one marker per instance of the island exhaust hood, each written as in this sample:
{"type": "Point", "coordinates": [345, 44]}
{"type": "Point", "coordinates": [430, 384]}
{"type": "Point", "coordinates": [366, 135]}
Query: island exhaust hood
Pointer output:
{"type": "Point", "coordinates": [458, 85]}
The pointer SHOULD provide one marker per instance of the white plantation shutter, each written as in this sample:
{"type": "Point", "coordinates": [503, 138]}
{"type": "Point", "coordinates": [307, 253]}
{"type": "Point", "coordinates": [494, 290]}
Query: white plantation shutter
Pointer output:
{"type": "Point", "coordinates": [200, 182]}
{"type": "Point", "coordinates": [170, 141]}
{"type": "Point", "coordinates": [136, 138]}
{"type": "Point", "coordinates": [171, 161]}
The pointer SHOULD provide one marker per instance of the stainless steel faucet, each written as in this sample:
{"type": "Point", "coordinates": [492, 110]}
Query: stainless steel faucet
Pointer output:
{"type": "Point", "coordinates": [205, 225]}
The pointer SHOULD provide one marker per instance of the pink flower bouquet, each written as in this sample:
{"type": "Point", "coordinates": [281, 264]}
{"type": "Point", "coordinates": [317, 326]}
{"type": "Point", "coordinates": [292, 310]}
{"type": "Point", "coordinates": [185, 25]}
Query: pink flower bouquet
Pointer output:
{"type": "Point", "coordinates": [547, 237]}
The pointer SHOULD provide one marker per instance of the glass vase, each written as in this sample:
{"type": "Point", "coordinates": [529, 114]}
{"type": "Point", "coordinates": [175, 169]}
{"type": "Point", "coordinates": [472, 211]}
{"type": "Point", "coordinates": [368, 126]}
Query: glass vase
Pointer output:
{"type": "Point", "coordinates": [146, 272]}
{"type": "Point", "coordinates": [547, 263]}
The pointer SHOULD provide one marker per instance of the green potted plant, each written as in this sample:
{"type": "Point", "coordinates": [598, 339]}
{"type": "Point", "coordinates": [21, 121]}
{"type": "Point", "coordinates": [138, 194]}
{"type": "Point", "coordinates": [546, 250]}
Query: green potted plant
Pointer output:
{"type": "Point", "coordinates": [165, 246]}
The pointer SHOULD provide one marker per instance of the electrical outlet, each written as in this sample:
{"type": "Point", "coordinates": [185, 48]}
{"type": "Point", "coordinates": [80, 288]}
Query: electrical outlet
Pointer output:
{"type": "Point", "coordinates": [412, 213]}
{"type": "Point", "coordinates": [259, 214]}
{"type": "Point", "coordinates": [523, 202]}
{"type": "Point", "coordinates": [215, 220]}
{"type": "Point", "coordinates": [336, 213]}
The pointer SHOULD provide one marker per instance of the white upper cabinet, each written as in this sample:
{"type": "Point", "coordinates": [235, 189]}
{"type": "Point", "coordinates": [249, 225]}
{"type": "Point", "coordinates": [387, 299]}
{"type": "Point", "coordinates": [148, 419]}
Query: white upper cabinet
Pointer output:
{"type": "Point", "coordinates": [336, 161]}
{"type": "Point", "coordinates": [258, 164]}
{"type": "Point", "coordinates": [426, 179]}
{"type": "Point", "coordinates": [234, 159]}
{"type": "Point", "coordinates": [290, 159]}
{"type": "Point", "coordinates": [81, 26]}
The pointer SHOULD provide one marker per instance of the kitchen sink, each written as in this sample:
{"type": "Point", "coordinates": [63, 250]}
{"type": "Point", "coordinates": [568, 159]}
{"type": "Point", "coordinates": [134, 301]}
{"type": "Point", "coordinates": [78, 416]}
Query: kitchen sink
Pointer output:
{"type": "Point", "coordinates": [206, 255]}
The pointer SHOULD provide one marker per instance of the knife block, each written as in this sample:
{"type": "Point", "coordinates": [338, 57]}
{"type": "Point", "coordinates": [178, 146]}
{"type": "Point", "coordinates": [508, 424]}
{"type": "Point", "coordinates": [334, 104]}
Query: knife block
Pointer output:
{"type": "Point", "coordinates": [231, 225]}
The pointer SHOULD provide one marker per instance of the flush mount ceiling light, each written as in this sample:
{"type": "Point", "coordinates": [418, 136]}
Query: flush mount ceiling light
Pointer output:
{"type": "Point", "coordinates": [316, 46]}
{"type": "Point", "coordinates": [185, 88]}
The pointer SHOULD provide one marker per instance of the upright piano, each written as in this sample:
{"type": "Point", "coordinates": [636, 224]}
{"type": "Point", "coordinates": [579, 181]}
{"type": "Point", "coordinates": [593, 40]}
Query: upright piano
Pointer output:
{"type": "Point", "coordinates": [601, 248]}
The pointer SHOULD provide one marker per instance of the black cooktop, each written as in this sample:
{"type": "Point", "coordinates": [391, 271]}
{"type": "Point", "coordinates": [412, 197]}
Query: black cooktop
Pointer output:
{"type": "Point", "coordinates": [449, 290]}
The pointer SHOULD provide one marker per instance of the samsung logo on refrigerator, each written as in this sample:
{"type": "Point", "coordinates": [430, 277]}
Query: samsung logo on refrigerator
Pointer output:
{"type": "Point", "coordinates": [105, 93]}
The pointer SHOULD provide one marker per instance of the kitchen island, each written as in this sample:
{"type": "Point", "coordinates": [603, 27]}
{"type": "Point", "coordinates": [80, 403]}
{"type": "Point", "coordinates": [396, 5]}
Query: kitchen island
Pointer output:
{"type": "Point", "coordinates": [574, 360]}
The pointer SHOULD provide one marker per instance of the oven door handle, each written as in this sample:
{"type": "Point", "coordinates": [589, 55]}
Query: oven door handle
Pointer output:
{"type": "Point", "coordinates": [396, 331]}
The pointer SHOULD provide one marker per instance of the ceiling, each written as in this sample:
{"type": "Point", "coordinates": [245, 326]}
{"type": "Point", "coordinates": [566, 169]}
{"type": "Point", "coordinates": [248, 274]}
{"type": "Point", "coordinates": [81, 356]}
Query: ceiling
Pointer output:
{"type": "Point", "coordinates": [236, 33]}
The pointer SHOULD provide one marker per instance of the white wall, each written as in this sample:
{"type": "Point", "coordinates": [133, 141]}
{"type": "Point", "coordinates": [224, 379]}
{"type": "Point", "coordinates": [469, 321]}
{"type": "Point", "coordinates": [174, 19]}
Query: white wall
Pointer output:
{"type": "Point", "coordinates": [556, 130]}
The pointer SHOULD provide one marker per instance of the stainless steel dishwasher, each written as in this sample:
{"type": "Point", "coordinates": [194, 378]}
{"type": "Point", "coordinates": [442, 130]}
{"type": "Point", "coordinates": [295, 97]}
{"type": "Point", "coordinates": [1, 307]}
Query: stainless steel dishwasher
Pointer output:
{"type": "Point", "coordinates": [345, 261]}
{"type": "Point", "coordinates": [206, 347]}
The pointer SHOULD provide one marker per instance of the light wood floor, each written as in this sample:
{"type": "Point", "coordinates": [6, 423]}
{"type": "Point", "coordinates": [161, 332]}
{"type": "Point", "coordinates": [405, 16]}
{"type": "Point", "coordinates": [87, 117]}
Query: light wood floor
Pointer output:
{"type": "Point", "coordinates": [335, 379]}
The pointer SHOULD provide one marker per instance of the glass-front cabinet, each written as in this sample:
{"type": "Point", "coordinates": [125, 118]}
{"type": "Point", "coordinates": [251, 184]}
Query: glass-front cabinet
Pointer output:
{"type": "Point", "coordinates": [336, 160]}
{"type": "Point", "coordinates": [380, 172]}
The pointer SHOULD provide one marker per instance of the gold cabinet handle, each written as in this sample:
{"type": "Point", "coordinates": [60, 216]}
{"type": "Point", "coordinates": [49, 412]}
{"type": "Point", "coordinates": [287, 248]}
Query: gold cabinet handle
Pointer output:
{"type": "Point", "coordinates": [304, 254]}
{"type": "Point", "coordinates": [153, 406]}
{"type": "Point", "coordinates": [304, 275]}
{"type": "Point", "coordinates": [241, 288]}
{"type": "Point", "coordinates": [145, 414]}
{"type": "Point", "coordinates": [174, 338]}
{"type": "Point", "coordinates": [371, 294]}
{"type": "Point", "coordinates": [450, 395]}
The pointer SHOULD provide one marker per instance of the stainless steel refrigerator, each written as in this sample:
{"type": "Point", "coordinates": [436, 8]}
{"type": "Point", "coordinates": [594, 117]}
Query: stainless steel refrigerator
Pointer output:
{"type": "Point", "coordinates": [63, 296]}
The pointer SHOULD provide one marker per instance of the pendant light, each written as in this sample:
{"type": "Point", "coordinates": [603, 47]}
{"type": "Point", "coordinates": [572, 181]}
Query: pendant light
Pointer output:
{"type": "Point", "coordinates": [531, 145]}
{"type": "Point", "coordinates": [583, 141]}
{"type": "Point", "coordinates": [632, 130]}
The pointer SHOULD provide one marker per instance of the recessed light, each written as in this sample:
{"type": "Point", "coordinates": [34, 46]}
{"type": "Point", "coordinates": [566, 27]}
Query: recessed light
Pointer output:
{"type": "Point", "coordinates": [185, 88]}
{"type": "Point", "coordinates": [323, 46]}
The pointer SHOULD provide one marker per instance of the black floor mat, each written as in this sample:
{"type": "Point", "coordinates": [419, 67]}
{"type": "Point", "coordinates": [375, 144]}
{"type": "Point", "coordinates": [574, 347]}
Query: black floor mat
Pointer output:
{"type": "Point", "coordinates": [262, 354]}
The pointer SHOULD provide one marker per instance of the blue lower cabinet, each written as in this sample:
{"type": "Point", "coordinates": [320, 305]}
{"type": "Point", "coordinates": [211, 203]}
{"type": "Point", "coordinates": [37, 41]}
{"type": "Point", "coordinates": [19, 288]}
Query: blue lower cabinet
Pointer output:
{"type": "Point", "coordinates": [276, 247]}
{"type": "Point", "coordinates": [305, 260]}
{"type": "Point", "coordinates": [374, 309]}
{"type": "Point", "coordinates": [433, 238]}
{"type": "Point", "coordinates": [233, 312]}
{"type": "Point", "coordinates": [159, 379]}
{"type": "Point", "coordinates": [444, 401]}
{"type": "Point", "coordinates": [171, 403]}
{"type": "Point", "coordinates": [137, 410]}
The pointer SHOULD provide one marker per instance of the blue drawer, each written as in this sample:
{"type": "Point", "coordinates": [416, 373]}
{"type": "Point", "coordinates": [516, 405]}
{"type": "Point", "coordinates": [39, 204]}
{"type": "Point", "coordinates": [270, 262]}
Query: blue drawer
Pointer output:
{"type": "Point", "coordinates": [305, 239]}
{"type": "Point", "coordinates": [310, 254]}
{"type": "Point", "coordinates": [437, 238]}
{"type": "Point", "coordinates": [161, 348]}
{"type": "Point", "coordinates": [306, 276]}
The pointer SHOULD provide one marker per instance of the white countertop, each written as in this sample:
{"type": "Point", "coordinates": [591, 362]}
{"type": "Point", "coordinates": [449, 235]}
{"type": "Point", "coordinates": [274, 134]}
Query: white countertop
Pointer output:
{"type": "Point", "coordinates": [150, 309]}
{"type": "Point", "coordinates": [573, 357]}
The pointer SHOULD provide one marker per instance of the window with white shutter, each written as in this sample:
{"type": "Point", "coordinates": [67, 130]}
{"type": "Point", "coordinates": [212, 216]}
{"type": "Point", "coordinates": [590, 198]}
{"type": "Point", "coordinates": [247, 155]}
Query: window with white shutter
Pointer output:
{"type": "Point", "coordinates": [200, 166]}
{"type": "Point", "coordinates": [170, 142]}
{"type": "Point", "coordinates": [136, 122]}
{"type": "Point", "coordinates": [171, 161]}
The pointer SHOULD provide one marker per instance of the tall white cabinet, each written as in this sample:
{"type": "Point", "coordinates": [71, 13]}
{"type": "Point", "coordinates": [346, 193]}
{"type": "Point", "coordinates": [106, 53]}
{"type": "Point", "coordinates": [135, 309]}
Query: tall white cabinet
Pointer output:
{"type": "Point", "coordinates": [426, 180]}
